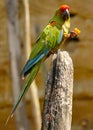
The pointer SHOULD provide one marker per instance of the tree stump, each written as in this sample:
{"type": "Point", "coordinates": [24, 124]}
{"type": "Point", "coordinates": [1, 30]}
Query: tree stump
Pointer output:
{"type": "Point", "coordinates": [57, 110]}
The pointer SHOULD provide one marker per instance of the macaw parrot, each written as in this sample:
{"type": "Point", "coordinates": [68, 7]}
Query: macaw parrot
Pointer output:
{"type": "Point", "coordinates": [48, 42]}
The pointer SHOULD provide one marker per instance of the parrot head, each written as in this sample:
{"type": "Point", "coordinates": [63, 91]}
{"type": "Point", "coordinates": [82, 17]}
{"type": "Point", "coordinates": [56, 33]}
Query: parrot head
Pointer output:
{"type": "Point", "coordinates": [64, 10]}
{"type": "Point", "coordinates": [62, 17]}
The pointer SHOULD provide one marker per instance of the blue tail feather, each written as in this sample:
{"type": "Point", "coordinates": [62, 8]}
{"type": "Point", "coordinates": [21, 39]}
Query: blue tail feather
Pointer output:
{"type": "Point", "coordinates": [32, 62]}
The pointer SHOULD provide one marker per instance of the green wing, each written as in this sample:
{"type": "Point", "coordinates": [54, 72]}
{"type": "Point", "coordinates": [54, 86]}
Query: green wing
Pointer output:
{"type": "Point", "coordinates": [47, 41]}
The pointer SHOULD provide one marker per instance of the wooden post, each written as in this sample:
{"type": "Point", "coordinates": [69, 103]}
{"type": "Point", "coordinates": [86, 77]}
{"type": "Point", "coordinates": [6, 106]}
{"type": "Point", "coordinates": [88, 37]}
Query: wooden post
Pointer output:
{"type": "Point", "coordinates": [57, 111]}
{"type": "Point", "coordinates": [15, 60]}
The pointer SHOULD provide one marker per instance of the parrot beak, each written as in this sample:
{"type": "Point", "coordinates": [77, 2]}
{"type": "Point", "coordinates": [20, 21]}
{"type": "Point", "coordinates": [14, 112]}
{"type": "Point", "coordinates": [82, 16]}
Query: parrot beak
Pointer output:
{"type": "Point", "coordinates": [66, 14]}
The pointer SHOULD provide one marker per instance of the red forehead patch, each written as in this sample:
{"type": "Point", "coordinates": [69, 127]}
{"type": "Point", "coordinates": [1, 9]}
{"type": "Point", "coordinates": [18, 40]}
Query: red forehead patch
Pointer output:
{"type": "Point", "coordinates": [64, 7]}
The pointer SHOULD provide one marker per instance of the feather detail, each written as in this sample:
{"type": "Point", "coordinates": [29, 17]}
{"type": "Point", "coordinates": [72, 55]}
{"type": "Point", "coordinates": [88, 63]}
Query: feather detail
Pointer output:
{"type": "Point", "coordinates": [32, 62]}
{"type": "Point", "coordinates": [53, 23]}
{"type": "Point", "coordinates": [60, 37]}
{"type": "Point", "coordinates": [29, 80]}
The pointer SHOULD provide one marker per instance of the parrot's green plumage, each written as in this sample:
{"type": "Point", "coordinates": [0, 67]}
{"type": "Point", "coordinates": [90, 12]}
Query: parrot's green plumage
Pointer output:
{"type": "Point", "coordinates": [50, 39]}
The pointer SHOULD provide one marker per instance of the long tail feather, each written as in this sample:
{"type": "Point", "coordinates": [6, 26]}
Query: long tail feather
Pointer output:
{"type": "Point", "coordinates": [29, 80]}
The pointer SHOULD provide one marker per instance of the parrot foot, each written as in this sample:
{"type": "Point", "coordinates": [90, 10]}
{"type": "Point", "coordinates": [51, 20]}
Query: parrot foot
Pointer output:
{"type": "Point", "coordinates": [72, 34]}
{"type": "Point", "coordinates": [67, 35]}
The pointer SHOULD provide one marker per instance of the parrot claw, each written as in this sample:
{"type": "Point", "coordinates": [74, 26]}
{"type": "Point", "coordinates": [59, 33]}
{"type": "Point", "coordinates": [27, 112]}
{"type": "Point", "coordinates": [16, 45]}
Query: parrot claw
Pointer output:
{"type": "Point", "coordinates": [67, 35]}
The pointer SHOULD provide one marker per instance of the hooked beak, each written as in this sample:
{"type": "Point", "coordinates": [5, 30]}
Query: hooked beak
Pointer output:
{"type": "Point", "coordinates": [66, 14]}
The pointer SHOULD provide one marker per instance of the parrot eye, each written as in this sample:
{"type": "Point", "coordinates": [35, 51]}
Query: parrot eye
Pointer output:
{"type": "Point", "coordinates": [65, 15]}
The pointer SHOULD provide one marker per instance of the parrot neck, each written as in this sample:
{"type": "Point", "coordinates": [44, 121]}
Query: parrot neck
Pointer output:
{"type": "Point", "coordinates": [56, 21]}
{"type": "Point", "coordinates": [66, 26]}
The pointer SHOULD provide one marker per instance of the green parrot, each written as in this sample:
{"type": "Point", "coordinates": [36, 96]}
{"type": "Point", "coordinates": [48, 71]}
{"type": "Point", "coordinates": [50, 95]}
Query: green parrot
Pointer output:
{"type": "Point", "coordinates": [48, 42]}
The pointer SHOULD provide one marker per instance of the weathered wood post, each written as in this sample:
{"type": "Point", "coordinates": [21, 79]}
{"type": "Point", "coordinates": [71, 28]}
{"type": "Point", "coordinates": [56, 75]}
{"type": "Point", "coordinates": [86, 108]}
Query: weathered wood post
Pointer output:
{"type": "Point", "coordinates": [57, 111]}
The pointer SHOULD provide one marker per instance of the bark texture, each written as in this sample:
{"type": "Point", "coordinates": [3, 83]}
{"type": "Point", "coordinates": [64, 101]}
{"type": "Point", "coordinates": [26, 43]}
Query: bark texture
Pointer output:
{"type": "Point", "coordinates": [57, 111]}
